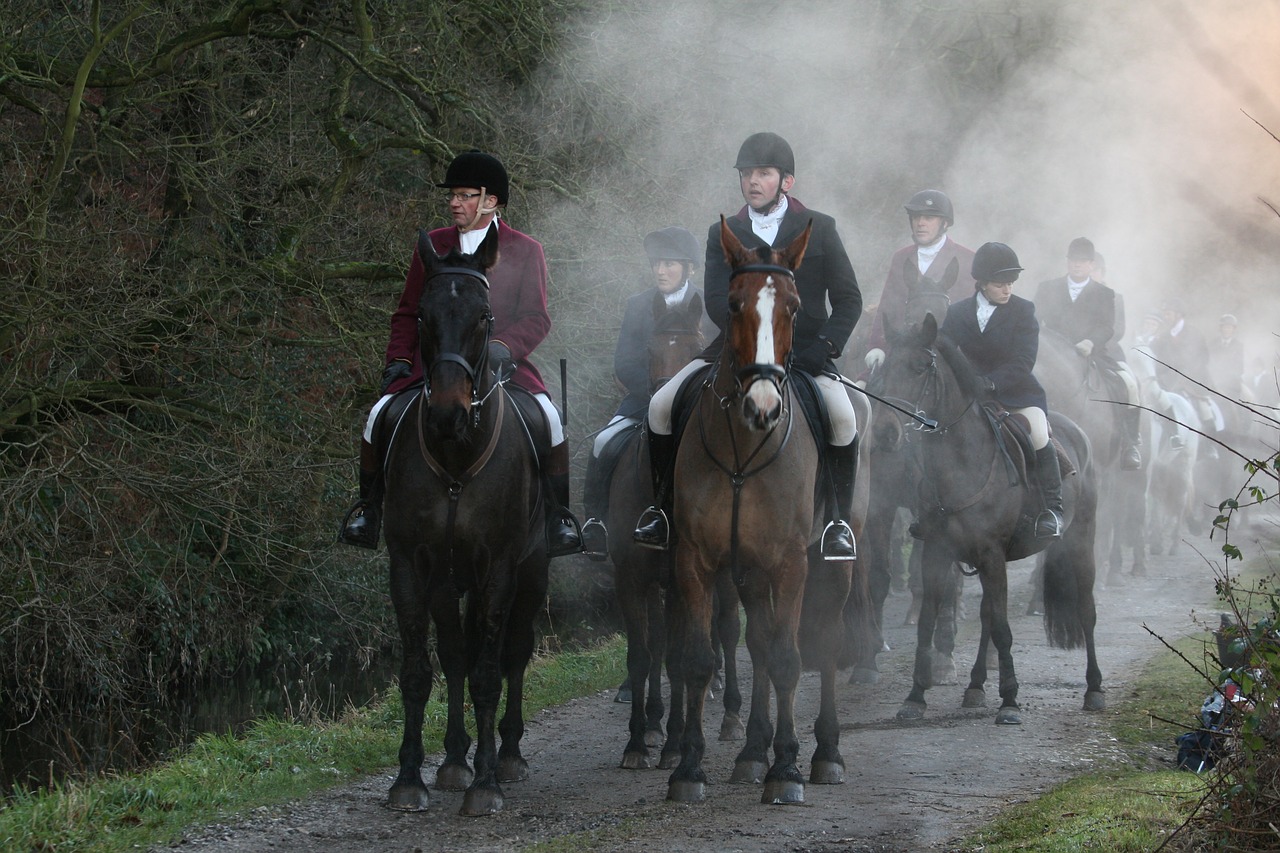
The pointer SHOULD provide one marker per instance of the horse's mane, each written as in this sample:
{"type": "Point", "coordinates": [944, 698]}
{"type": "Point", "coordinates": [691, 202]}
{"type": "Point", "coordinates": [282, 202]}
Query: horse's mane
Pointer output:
{"type": "Point", "coordinates": [966, 377]}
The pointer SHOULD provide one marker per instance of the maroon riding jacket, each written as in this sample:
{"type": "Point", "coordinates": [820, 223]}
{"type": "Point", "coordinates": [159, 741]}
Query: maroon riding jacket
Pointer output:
{"type": "Point", "coordinates": [894, 297]}
{"type": "Point", "coordinates": [517, 297]}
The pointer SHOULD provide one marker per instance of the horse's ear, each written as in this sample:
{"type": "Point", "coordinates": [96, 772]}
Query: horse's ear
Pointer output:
{"type": "Point", "coordinates": [730, 243]}
{"type": "Point", "coordinates": [426, 251]}
{"type": "Point", "coordinates": [793, 255]}
{"type": "Point", "coordinates": [929, 329]}
{"type": "Point", "coordinates": [486, 253]}
{"type": "Point", "coordinates": [910, 271]}
{"type": "Point", "coordinates": [949, 277]}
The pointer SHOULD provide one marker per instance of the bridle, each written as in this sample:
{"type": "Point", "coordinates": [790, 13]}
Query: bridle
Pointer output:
{"type": "Point", "coordinates": [775, 374]}
{"type": "Point", "coordinates": [475, 373]}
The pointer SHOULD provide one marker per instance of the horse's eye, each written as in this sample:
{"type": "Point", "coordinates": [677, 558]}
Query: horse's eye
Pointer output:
{"type": "Point", "coordinates": [735, 306]}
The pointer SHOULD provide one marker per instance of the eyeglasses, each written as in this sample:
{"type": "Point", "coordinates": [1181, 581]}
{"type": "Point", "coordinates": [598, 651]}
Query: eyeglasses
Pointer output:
{"type": "Point", "coordinates": [448, 197]}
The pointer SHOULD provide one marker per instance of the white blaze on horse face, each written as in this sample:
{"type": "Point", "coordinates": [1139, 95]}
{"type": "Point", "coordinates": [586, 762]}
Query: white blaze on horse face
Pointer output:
{"type": "Point", "coordinates": [765, 394]}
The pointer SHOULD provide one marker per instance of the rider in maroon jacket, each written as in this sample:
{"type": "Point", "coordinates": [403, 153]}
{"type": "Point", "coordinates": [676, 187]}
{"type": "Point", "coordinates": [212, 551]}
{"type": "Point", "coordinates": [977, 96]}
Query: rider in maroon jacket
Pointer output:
{"type": "Point", "coordinates": [477, 187]}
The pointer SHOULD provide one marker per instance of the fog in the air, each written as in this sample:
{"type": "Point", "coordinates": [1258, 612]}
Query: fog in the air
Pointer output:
{"type": "Point", "coordinates": [1143, 126]}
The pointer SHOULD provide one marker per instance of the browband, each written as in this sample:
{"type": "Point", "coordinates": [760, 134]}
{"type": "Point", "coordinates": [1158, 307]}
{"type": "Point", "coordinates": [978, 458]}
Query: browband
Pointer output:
{"type": "Point", "coordinates": [767, 268]}
{"type": "Point", "coordinates": [439, 271]}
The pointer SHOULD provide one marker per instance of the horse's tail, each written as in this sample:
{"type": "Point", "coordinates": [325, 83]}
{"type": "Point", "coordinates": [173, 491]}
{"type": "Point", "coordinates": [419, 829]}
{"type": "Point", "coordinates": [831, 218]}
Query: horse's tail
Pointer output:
{"type": "Point", "coordinates": [1069, 564]}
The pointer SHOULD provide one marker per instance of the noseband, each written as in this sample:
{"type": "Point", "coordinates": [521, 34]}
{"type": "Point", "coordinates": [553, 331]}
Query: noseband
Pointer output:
{"type": "Point", "coordinates": [474, 372]}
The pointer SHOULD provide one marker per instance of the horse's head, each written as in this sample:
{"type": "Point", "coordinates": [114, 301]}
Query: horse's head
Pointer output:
{"type": "Point", "coordinates": [677, 338]}
{"type": "Point", "coordinates": [763, 303]}
{"type": "Point", "coordinates": [924, 295]}
{"type": "Point", "coordinates": [925, 370]}
{"type": "Point", "coordinates": [454, 323]}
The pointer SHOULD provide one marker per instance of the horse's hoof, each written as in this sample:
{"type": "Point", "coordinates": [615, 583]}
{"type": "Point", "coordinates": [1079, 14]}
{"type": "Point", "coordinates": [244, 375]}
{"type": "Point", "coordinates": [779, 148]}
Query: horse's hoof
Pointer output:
{"type": "Point", "coordinates": [782, 792]}
{"type": "Point", "coordinates": [409, 798]}
{"type": "Point", "coordinates": [623, 696]}
{"type": "Point", "coordinates": [669, 760]}
{"type": "Point", "coordinates": [454, 777]}
{"type": "Point", "coordinates": [911, 711]}
{"type": "Point", "coordinates": [479, 802]}
{"type": "Point", "coordinates": [687, 792]}
{"type": "Point", "coordinates": [731, 728]}
{"type": "Point", "coordinates": [717, 683]}
{"type": "Point", "coordinates": [632, 760]}
{"type": "Point", "coordinates": [748, 772]}
{"type": "Point", "coordinates": [512, 769]}
{"type": "Point", "coordinates": [826, 773]}
{"type": "Point", "coordinates": [1008, 717]}
{"type": "Point", "coordinates": [863, 675]}
{"type": "Point", "coordinates": [653, 738]}
{"type": "Point", "coordinates": [974, 698]}
{"type": "Point", "coordinates": [944, 670]}
{"type": "Point", "coordinates": [1095, 700]}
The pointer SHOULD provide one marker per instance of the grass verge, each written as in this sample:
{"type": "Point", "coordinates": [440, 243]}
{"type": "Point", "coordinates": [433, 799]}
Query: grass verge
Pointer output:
{"type": "Point", "coordinates": [273, 762]}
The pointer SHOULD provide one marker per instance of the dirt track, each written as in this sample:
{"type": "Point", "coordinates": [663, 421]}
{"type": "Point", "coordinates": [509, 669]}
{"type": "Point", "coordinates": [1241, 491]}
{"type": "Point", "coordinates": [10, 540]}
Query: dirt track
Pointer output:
{"type": "Point", "coordinates": [910, 787]}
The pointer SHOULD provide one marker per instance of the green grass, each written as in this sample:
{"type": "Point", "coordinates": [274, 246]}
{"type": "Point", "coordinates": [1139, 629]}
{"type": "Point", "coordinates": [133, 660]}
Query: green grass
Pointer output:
{"type": "Point", "coordinates": [274, 761]}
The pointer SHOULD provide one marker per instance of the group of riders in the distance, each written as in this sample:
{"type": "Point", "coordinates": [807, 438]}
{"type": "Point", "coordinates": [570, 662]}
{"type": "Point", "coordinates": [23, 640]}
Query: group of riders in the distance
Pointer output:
{"type": "Point", "coordinates": [969, 292]}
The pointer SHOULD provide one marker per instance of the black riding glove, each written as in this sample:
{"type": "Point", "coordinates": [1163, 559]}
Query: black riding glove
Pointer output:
{"type": "Point", "coordinates": [500, 361]}
{"type": "Point", "coordinates": [813, 358]}
{"type": "Point", "coordinates": [394, 371]}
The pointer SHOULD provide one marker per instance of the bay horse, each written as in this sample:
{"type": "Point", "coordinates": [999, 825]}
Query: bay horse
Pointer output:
{"type": "Point", "coordinates": [467, 545]}
{"type": "Point", "coordinates": [745, 479]}
{"type": "Point", "coordinates": [642, 575]}
{"type": "Point", "coordinates": [972, 511]}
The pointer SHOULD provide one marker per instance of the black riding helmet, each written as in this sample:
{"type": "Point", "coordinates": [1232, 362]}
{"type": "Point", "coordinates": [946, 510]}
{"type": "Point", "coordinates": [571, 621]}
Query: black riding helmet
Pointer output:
{"type": "Point", "coordinates": [995, 262]}
{"type": "Point", "coordinates": [477, 169]}
{"type": "Point", "coordinates": [672, 243]}
{"type": "Point", "coordinates": [766, 149]}
{"type": "Point", "coordinates": [931, 203]}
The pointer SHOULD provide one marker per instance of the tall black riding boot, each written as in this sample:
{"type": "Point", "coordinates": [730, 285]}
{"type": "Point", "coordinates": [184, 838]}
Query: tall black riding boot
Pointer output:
{"type": "Point", "coordinates": [1131, 439]}
{"type": "Point", "coordinates": [653, 530]}
{"type": "Point", "coordinates": [363, 521]}
{"type": "Point", "coordinates": [563, 534]}
{"type": "Point", "coordinates": [595, 502]}
{"type": "Point", "coordinates": [1049, 475]}
{"type": "Point", "coordinates": [837, 537]}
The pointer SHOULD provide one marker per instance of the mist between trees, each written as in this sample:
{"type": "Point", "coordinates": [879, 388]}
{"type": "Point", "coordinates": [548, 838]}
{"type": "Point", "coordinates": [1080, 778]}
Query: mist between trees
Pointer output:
{"type": "Point", "coordinates": [209, 209]}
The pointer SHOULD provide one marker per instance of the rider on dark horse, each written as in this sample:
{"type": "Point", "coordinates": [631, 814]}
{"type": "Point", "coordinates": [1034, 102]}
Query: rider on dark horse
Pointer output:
{"type": "Point", "coordinates": [1083, 310]}
{"type": "Point", "coordinates": [477, 188]}
{"type": "Point", "coordinates": [673, 258]}
{"type": "Point", "coordinates": [766, 173]}
{"type": "Point", "coordinates": [999, 335]}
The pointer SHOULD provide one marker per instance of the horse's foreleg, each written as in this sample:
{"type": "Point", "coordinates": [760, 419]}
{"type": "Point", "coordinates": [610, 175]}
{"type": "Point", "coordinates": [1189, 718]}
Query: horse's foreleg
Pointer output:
{"type": "Point", "coordinates": [827, 587]}
{"type": "Point", "coordinates": [454, 774]}
{"type": "Point", "coordinates": [696, 661]}
{"type": "Point", "coordinates": [656, 643]}
{"type": "Point", "coordinates": [633, 600]}
{"type": "Point", "coordinates": [783, 783]}
{"type": "Point", "coordinates": [752, 761]}
{"type": "Point", "coordinates": [409, 792]}
{"type": "Point", "coordinates": [728, 627]}
{"type": "Point", "coordinates": [484, 678]}
{"type": "Point", "coordinates": [935, 561]}
{"type": "Point", "coordinates": [995, 602]}
{"type": "Point", "coordinates": [517, 651]}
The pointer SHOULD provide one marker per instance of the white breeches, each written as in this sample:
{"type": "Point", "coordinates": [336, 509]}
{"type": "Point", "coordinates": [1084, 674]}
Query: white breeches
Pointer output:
{"type": "Point", "coordinates": [615, 426]}
{"type": "Point", "coordinates": [843, 419]}
{"type": "Point", "coordinates": [1039, 425]}
{"type": "Point", "coordinates": [549, 411]}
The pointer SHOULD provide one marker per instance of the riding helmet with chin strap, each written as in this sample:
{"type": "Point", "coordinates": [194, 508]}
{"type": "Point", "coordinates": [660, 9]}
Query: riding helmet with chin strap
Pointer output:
{"type": "Point", "coordinates": [995, 262]}
{"type": "Point", "coordinates": [672, 243]}
{"type": "Point", "coordinates": [766, 149]}
{"type": "Point", "coordinates": [478, 169]}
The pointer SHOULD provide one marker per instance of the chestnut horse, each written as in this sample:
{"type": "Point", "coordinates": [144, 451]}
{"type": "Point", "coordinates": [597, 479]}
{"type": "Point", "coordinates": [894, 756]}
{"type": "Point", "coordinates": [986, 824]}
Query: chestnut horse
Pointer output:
{"type": "Point", "coordinates": [974, 510]}
{"type": "Point", "coordinates": [465, 536]}
{"type": "Point", "coordinates": [745, 478]}
{"type": "Point", "coordinates": [642, 574]}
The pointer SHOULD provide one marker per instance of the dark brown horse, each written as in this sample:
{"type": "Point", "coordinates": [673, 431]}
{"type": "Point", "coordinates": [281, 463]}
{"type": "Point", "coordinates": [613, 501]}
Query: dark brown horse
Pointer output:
{"type": "Point", "coordinates": [974, 510]}
{"type": "Point", "coordinates": [745, 481]}
{"type": "Point", "coordinates": [642, 575]}
{"type": "Point", "coordinates": [467, 545]}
